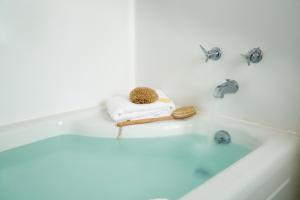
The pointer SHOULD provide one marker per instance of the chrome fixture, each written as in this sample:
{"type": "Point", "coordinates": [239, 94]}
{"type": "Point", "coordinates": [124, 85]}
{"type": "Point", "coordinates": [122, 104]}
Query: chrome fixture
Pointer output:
{"type": "Point", "coordinates": [254, 56]}
{"type": "Point", "coordinates": [213, 54]}
{"type": "Point", "coordinates": [222, 137]}
{"type": "Point", "coordinates": [230, 86]}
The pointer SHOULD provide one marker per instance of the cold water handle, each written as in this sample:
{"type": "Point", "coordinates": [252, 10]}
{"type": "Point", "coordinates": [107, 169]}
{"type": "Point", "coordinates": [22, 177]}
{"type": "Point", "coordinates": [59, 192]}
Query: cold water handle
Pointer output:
{"type": "Point", "coordinates": [254, 56]}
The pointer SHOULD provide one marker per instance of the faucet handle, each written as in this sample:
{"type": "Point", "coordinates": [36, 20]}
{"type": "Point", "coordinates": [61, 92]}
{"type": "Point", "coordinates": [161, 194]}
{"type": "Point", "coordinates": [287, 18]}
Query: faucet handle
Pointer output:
{"type": "Point", "coordinates": [205, 52]}
{"type": "Point", "coordinates": [247, 59]}
{"type": "Point", "coordinates": [253, 56]}
{"type": "Point", "coordinates": [213, 54]}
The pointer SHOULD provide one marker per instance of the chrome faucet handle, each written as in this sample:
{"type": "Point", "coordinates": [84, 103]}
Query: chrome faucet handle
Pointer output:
{"type": "Point", "coordinates": [213, 54]}
{"type": "Point", "coordinates": [205, 52]}
{"type": "Point", "coordinates": [253, 56]}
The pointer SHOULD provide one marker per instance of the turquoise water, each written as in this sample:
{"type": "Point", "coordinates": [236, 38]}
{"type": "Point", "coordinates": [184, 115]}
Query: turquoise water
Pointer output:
{"type": "Point", "coordinates": [85, 168]}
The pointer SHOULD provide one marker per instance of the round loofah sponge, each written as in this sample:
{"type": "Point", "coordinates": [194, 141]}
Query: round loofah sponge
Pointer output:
{"type": "Point", "coordinates": [143, 95]}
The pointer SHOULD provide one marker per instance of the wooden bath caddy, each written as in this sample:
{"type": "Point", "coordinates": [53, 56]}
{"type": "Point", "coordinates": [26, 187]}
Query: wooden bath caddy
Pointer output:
{"type": "Point", "coordinates": [180, 113]}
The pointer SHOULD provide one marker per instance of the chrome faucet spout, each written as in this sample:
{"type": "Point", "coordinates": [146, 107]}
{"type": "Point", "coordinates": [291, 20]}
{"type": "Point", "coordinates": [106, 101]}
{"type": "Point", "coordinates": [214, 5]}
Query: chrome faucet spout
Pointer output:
{"type": "Point", "coordinates": [219, 93]}
{"type": "Point", "coordinates": [230, 86]}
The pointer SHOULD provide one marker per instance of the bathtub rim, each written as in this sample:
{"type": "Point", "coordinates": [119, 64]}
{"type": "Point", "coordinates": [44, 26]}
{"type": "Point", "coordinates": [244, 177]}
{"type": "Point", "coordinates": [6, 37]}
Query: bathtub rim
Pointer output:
{"type": "Point", "coordinates": [22, 133]}
{"type": "Point", "coordinates": [94, 122]}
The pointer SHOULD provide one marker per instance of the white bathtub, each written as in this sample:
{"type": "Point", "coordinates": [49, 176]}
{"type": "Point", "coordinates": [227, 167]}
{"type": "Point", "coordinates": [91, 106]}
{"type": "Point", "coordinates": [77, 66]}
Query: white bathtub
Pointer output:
{"type": "Point", "coordinates": [269, 172]}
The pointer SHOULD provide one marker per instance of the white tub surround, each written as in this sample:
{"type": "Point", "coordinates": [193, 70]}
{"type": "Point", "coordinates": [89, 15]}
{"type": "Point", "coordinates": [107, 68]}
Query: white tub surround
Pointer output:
{"type": "Point", "coordinates": [168, 55]}
{"type": "Point", "coordinates": [61, 55]}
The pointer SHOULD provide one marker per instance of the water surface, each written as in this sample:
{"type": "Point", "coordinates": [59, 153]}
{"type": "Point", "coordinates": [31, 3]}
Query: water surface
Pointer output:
{"type": "Point", "coordinates": [84, 168]}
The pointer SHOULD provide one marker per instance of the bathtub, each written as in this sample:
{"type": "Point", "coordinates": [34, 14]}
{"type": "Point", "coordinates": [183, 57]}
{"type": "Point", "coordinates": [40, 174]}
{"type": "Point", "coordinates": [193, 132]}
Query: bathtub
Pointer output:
{"type": "Point", "coordinates": [269, 172]}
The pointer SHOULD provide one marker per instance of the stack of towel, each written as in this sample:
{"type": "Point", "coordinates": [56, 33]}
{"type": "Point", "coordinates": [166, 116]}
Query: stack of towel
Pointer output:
{"type": "Point", "coordinates": [121, 109]}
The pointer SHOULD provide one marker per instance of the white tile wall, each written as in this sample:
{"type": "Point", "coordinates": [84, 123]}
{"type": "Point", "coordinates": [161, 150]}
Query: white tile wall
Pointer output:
{"type": "Point", "coordinates": [298, 130]}
{"type": "Point", "coordinates": [60, 55]}
{"type": "Point", "coordinates": [168, 34]}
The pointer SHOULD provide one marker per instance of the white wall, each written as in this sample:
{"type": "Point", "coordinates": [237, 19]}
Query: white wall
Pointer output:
{"type": "Point", "coordinates": [60, 55]}
{"type": "Point", "coordinates": [168, 34]}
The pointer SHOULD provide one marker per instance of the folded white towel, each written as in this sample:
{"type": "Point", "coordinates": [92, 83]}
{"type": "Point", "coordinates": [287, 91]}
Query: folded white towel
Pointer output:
{"type": "Point", "coordinates": [142, 115]}
{"type": "Point", "coordinates": [121, 109]}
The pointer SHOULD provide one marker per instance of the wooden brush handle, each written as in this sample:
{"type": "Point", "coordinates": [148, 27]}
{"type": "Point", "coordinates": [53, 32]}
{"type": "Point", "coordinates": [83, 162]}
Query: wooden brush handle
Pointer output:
{"type": "Point", "coordinates": [143, 121]}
